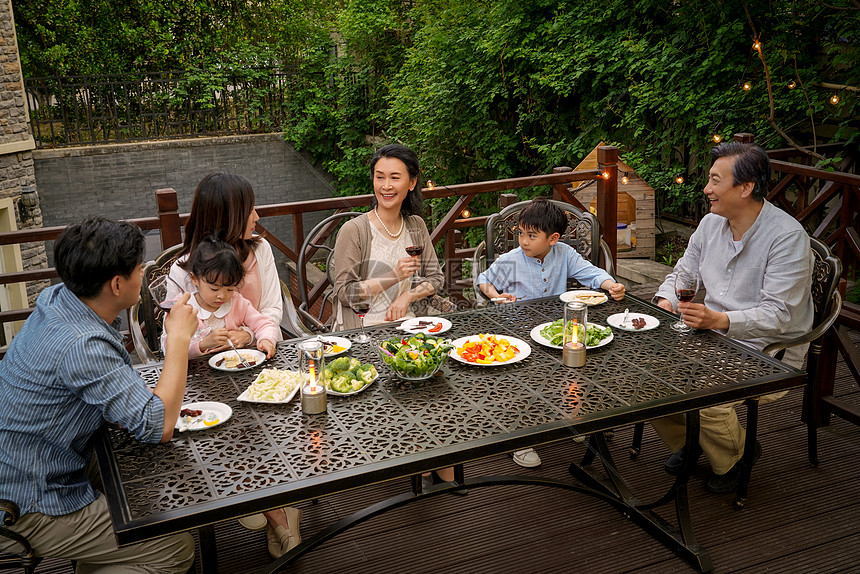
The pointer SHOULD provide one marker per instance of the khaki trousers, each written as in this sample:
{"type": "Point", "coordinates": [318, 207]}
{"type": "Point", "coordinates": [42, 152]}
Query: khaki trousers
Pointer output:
{"type": "Point", "coordinates": [87, 537]}
{"type": "Point", "coordinates": [721, 435]}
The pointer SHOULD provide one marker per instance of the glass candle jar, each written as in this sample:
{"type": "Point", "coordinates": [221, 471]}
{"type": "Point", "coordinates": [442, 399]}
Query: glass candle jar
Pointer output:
{"type": "Point", "coordinates": [312, 369]}
{"type": "Point", "coordinates": [575, 326]}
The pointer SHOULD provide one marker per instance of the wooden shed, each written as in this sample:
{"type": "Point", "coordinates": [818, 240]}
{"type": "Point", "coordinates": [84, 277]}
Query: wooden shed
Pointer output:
{"type": "Point", "coordinates": [637, 191]}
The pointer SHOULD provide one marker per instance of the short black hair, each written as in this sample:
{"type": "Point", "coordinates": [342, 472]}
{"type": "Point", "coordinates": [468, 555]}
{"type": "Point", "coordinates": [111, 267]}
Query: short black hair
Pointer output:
{"type": "Point", "coordinates": [414, 202]}
{"type": "Point", "coordinates": [216, 262]}
{"type": "Point", "coordinates": [545, 216]}
{"type": "Point", "coordinates": [752, 165]}
{"type": "Point", "coordinates": [89, 254]}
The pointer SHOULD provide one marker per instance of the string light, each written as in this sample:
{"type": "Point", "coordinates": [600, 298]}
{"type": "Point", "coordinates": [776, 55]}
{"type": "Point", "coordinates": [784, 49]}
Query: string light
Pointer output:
{"type": "Point", "coordinates": [834, 99]}
{"type": "Point", "coordinates": [466, 214]}
{"type": "Point", "coordinates": [624, 179]}
{"type": "Point", "coordinates": [604, 174]}
{"type": "Point", "coordinates": [431, 184]}
{"type": "Point", "coordinates": [679, 178]}
{"type": "Point", "coordinates": [717, 138]}
{"type": "Point", "coordinates": [756, 44]}
{"type": "Point", "coordinates": [746, 86]}
{"type": "Point", "coordinates": [792, 84]}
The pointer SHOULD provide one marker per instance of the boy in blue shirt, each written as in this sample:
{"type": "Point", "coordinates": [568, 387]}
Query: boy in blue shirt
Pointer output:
{"type": "Point", "coordinates": [540, 267]}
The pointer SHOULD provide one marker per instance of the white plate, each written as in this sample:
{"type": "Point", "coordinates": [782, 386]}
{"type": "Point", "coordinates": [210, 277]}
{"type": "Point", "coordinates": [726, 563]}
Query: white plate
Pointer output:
{"type": "Point", "coordinates": [245, 396]}
{"type": "Point", "coordinates": [339, 341]}
{"type": "Point", "coordinates": [361, 390]}
{"type": "Point", "coordinates": [537, 337]}
{"type": "Point", "coordinates": [615, 321]}
{"type": "Point", "coordinates": [524, 349]}
{"type": "Point", "coordinates": [222, 411]}
{"type": "Point", "coordinates": [576, 295]}
{"type": "Point", "coordinates": [260, 356]}
{"type": "Point", "coordinates": [411, 325]}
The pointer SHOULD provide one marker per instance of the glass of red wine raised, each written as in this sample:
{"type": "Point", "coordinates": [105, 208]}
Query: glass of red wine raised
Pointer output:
{"type": "Point", "coordinates": [686, 287]}
{"type": "Point", "coordinates": [415, 247]}
{"type": "Point", "coordinates": [359, 302]}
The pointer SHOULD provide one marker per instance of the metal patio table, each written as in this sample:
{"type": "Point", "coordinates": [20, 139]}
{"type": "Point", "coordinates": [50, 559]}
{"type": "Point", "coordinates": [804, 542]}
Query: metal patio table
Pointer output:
{"type": "Point", "coordinates": [268, 456]}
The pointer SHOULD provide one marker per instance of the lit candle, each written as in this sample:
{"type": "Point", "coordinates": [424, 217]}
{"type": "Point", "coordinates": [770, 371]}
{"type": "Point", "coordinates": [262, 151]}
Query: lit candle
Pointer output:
{"type": "Point", "coordinates": [313, 390]}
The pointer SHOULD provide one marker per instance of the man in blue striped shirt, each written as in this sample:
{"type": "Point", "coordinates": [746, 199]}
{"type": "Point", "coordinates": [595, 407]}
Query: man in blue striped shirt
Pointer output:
{"type": "Point", "coordinates": [65, 375]}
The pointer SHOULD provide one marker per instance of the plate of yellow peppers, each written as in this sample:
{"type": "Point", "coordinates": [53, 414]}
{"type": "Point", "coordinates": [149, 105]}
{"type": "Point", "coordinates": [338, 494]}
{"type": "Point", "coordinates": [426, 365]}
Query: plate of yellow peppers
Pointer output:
{"type": "Point", "coordinates": [489, 350]}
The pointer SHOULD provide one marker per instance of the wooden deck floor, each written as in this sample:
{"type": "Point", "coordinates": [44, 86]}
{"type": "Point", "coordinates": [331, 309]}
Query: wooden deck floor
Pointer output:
{"type": "Point", "coordinates": [798, 518]}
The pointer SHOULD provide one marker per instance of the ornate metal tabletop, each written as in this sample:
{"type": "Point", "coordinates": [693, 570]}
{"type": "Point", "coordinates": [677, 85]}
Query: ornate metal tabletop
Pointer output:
{"type": "Point", "coordinates": [267, 456]}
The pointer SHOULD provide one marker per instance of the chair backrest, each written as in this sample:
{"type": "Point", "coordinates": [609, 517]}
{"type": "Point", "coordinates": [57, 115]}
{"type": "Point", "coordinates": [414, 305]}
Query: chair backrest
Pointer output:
{"type": "Point", "coordinates": [146, 318]}
{"type": "Point", "coordinates": [321, 238]}
{"type": "Point", "coordinates": [826, 272]}
{"type": "Point", "coordinates": [582, 233]}
{"type": "Point", "coordinates": [26, 559]}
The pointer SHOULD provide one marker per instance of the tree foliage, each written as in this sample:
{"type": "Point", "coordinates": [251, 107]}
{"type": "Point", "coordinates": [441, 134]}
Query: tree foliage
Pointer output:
{"type": "Point", "coordinates": [487, 89]}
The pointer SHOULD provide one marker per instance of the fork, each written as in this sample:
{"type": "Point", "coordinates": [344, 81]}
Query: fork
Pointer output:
{"type": "Point", "coordinates": [245, 363]}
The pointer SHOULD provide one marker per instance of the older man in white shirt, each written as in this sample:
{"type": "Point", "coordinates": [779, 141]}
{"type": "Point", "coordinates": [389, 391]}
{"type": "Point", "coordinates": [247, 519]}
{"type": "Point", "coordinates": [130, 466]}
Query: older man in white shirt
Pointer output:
{"type": "Point", "coordinates": [755, 263]}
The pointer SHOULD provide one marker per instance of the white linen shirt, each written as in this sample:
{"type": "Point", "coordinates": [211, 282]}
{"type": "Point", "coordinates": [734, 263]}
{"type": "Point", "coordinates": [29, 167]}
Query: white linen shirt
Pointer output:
{"type": "Point", "coordinates": [764, 286]}
{"type": "Point", "coordinates": [526, 277]}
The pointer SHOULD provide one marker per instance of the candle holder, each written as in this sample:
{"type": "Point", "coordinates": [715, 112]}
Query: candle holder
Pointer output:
{"type": "Point", "coordinates": [575, 329]}
{"type": "Point", "coordinates": [312, 368]}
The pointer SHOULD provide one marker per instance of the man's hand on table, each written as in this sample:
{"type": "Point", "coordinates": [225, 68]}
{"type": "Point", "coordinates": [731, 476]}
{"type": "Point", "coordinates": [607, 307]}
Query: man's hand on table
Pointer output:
{"type": "Point", "coordinates": [665, 304]}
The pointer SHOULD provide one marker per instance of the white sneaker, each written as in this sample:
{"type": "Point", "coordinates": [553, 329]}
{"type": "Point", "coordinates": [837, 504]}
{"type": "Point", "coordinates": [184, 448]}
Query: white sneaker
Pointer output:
{"type": "Point", "coordinates": [527, 458]}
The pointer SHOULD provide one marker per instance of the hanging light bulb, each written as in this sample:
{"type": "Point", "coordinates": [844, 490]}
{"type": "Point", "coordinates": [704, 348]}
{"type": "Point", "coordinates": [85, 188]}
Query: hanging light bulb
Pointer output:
{"type": "Point", "coordinates": [624, 179]}
{"type": "Point", "coordinates": [431, 184]}
{"type": "Point", "coordinates": [717, 138]}
{"type": "Point", "coordinates": [834, 99]}
{"type": "Point", "coordinates": [792, 84]}
{"type": "Point", "coordinates": [747, 86]}
{"type": "Point", "coordinates": [466, 214]}
{"type": "Point", "coordinates": [605, 175]}
{"type": "Point", "coordinates": [756, 45]}
{"type": "Point", "coordinates": [679, 178]}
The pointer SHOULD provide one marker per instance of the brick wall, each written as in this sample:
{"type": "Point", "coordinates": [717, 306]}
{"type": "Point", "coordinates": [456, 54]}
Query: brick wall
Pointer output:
{"type": "Point", "coordinates": [16, 143]}
{"type": "Point", "coordinates": [119, 181]}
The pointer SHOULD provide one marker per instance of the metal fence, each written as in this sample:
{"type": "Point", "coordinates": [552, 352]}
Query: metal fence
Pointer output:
{"type": "Point", "coordinates": [84, 110]}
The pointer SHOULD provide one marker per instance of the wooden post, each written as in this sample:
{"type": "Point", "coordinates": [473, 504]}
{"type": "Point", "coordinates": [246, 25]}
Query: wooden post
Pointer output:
{"type": "Point", "coordinates": [506, 199]}
{"type": "Point", "coordinates": [607, 198]}
{"type": "Point", "coordinates": [744, 138]}
{"type": "Point", "coordinates": [168, 215]}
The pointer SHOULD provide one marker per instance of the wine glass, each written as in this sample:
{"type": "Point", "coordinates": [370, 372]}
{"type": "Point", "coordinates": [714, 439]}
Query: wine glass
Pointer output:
{"type": "Point", "coordinates": [359, 301]}
{"type": "Point", "coordinates": [415, 247]}
{"type": "Point", "coordinates": [686, 287]}
{"type": "Point", "coordinates": [158, 291]}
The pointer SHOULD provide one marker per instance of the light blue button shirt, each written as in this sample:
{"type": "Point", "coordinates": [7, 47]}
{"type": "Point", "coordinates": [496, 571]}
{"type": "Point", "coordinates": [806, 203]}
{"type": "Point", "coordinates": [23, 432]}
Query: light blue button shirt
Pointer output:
{"type": "Point", "coordinates": [65, 374]}
{"type": "Point", "coordinates": [526, 277]}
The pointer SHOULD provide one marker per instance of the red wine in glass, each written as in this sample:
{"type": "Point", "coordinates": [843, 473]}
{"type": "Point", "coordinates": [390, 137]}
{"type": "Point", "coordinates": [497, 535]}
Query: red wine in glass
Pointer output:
{"type": "Point", "coordinates": [686, 295]}
{"type": "Point", "coordinates": [686, 286]}
{"type": "Point", "coordinates": [361, 309]}
{"type": "Point", "coordinates": [166, 306]}
{"type": "Point", "coordinates": [415, 250]}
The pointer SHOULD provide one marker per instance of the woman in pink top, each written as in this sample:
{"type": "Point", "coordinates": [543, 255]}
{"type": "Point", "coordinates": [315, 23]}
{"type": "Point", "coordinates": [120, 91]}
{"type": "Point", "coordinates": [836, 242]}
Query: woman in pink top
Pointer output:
{"type": "Point", "coordinates": [223, 207]}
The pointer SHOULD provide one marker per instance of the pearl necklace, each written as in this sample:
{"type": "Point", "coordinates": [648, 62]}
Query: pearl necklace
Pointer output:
{"type": "Point", "coordinates": [385, 227]}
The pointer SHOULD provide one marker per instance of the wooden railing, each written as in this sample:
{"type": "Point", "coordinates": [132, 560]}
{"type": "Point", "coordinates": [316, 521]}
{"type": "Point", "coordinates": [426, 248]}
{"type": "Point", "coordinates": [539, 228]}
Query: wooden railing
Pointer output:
{"type": "Point", "coordinates": [170, 222]}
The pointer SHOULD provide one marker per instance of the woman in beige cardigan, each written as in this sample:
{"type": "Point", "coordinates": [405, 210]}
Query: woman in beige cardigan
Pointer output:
{"type": "Point", "coordinates": [370, 251]}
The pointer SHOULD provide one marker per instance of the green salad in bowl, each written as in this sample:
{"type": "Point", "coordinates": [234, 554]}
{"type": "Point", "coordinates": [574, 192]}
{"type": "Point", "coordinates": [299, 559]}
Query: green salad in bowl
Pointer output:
{"type": "Point", "coordinates": [416, 357]}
